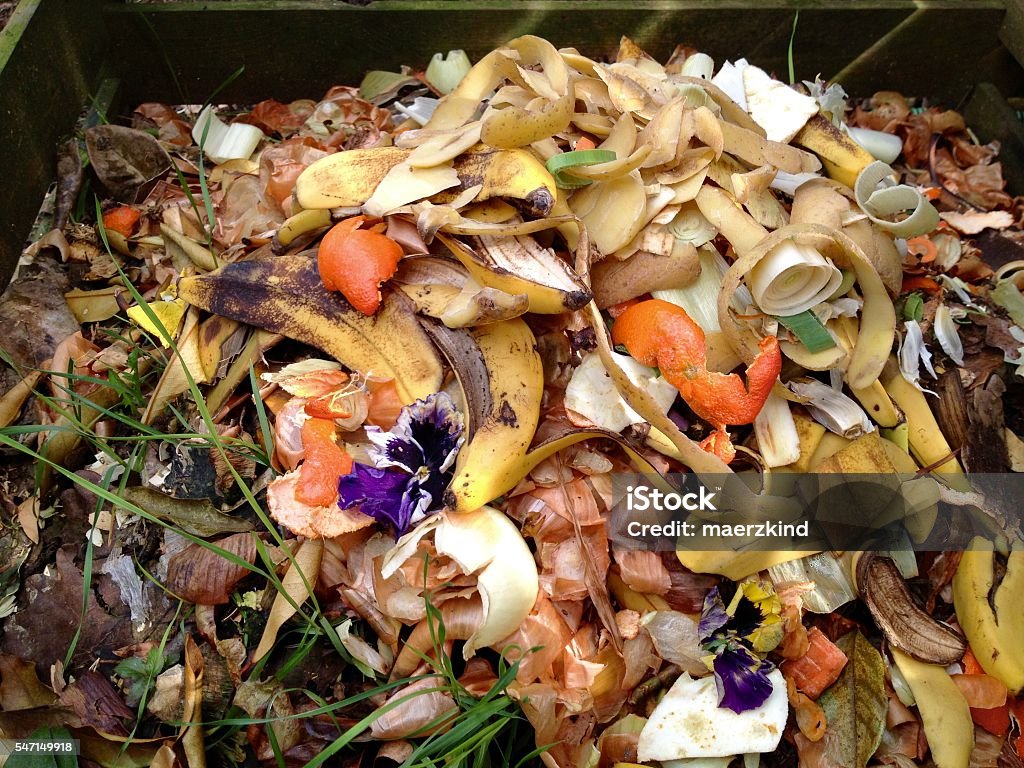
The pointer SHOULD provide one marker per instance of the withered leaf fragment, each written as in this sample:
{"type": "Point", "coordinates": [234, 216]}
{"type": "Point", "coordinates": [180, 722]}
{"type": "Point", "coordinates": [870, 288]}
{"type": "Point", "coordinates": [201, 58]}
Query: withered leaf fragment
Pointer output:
{"type": "Point", "coordinates": [199, 518]}
{"type": "Point", "coordinates": [902, 622]}
{"type": "Point", "coordinates": [125, 160]}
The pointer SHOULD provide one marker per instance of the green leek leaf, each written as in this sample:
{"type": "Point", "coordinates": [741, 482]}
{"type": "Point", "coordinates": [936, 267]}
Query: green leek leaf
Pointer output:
{"type": "Point", "coordinates": [559, 164]}
{"type": "Point", "coordinates": [913, 307]}
{"type": "Point", "coordinates": [808, 328]}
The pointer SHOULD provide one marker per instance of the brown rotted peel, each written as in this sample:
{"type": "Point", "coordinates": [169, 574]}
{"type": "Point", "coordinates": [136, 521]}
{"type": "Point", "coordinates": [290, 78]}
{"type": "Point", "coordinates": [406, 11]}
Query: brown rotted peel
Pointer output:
{"type": "Point", "coordinates": [903, 623]}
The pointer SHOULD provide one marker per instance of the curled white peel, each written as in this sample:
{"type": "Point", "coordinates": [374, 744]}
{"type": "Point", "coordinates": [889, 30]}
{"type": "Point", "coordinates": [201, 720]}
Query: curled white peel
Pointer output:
{"type": "Point", "coordinates": [486, 539]}
{"type": "Point", "coordinates": [792, 278]}
{"type": "Point", "coordinates": [487, 543]}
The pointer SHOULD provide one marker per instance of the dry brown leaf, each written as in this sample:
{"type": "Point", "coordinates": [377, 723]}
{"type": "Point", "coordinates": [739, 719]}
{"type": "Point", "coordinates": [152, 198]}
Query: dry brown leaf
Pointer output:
{"type": "Point", "coordinates": [43, 627]}
{"type": "Point", "coordinates": [165, 758]}
{"type": "Point", "coordinates": [96, 703]}
{"type": "Point", "coordinates": [259, 698]}
{"type": "Point", "coordinates": [28, 518]}
{"type": "Point", "coordinates": [298, 583]}
{"type": "Point", "coordinates": [192, 737]}
{"type": "Point", "coordinates": [34, 315]}
{"type": "Point", "coordinates": [20, 688]}
{"type": "Point", "coordinates": [125, 160]}
{"type": "Point", "coordinates": [15, 397]}
{"type": "Point", "coordinates": [201, 576]}
{"type": "Point", "coordinates": [973, 222]}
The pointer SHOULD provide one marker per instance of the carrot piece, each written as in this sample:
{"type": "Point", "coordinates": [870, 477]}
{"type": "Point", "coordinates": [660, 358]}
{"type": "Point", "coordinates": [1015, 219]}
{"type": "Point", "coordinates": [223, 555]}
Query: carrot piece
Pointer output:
{"type": "Point", "coordinates": [920, 283]}
{"type": "Point", "coordinates": [122, 219]}
{"type": "Point", "coordinates": [356, 261]}
{"type": "Point", "coordinates": [325, 462]}
{"type": "Point", "coordinates": [971, 665]}
{"type": "Point", "coordinates": [923, 248]}
{"type": "Point", "coordinates": [817, 669]}
{"type": "Point", "coordinates": [585, 142]}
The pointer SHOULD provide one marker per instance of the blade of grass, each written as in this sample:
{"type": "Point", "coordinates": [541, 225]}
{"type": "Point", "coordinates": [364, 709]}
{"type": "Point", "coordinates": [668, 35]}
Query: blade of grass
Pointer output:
{"type": "Point", "coordinates": [789, 51]}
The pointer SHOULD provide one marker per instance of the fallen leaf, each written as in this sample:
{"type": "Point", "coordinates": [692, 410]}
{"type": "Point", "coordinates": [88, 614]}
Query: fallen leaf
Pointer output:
{"type": "Point", "coordinates": [164, 758]}
{"type": "Point", "coordinates": [192, 738]}
{"type": "Point", "coordinates": [125, 160]}
{"type": "Point", "coordinates": [96, 703]}
{"type": "Point", "coordinates": [301, 572]}
{"type": "Point", "coordinates": [20, 687]}
{"type": "Point", "coordinates": [34, 315]}
{"type": "Point", "coordinates": [199, 518]}
{"type": "Point", "coordinates": [28, 518]}
{"type": "Point", "coordinates": [973, 222]}
{"type": "Point", "coordinates": [51, 611]}
{"type": "Point", "coordinates": [202, 576]}
{"type": "Point", "coordinates": [855, 705]}
{"type": "Point", "coordinates": [259, 698]}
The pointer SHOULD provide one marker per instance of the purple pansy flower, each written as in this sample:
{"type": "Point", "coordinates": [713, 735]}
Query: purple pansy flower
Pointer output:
{"type": "Point", "coordinates": [713, 616]}
{"type": "Point", "coordinates": [741, 678]}
{"type": "Point", "coordinates": [413, 464]}
{"type": "Point", "coordinates": [741, 675]}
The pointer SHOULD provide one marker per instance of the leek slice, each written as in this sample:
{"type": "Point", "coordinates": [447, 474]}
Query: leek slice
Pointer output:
{"type": "Point", "coordinates": [559, 164]}
{"type": "Point", "coordinates": [890, 200]}
{"type": "Point", "coordinates": [446, 72]}
{"type": "Point", "coordinates": [792, 278]}
{"type": "Point", "coordinates": [222, 142]}
{"type": "Point", "coordinates": [809, 329]}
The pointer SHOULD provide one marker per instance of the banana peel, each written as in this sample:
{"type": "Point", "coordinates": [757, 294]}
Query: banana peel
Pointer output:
{"type": "Point", "coordinates": [349, 179]}
{"type": "Point", "coordinates": [944, 711]}
{"type": "Point", "coordinates": [927, 443]}
{"type": "Point", "coordinates": [842, 157]}
{"type": "Point", "coordinates": [284, 294]}
{"type": "Point", "coordinates": [994, 624]}
{"type": "Point", "coordinates": [518, 265]}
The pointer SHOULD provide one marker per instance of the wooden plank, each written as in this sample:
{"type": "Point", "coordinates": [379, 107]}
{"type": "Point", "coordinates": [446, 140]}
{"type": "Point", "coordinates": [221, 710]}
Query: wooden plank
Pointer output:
{"type": "Point", "coordinates": [991, 118]}
{"type": "Point", "coordinates": [50, 54]}
{"type": "Point", "coordinates": [938, 53]}
{"type": "Point", "coordinates": [1012, 33]}
{"type": "Point", "coordinates": [336, 43]}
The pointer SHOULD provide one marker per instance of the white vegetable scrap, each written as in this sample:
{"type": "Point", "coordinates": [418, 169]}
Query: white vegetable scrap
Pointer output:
{"type": "Point", "coordinates": [592, 393]}
{"type": "Point", "coordinates": [776, 107]}
{"type": "Point", "coordinates": [792, 279]}
{"type": "Point", "coordinates": [913, 352]}
{"type": "Point", "coordinates": [689, 723]}
{"type": "Point", "coordinates": [222, 142]}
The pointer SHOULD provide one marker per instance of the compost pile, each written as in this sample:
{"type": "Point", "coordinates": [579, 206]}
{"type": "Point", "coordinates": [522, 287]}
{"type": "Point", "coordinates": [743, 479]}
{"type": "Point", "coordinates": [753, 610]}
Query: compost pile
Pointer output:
{"type": "Point", "coordinates": [314, 409]}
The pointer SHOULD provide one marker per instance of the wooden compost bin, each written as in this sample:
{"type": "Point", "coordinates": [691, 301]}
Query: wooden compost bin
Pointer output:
{"type": "Point", "coordinates": [57, 57]}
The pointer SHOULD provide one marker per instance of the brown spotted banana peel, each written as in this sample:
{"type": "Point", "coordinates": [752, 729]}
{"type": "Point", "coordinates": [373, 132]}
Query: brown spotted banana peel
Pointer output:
{"type": "Point", "coordinates": [903, 623]}
{"type": "Point", "coordinates": [284, 294]}
{"type": "Point", "coordinates": [842, 157]}
{"type": "Point", "coordinates": [500, 373]}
